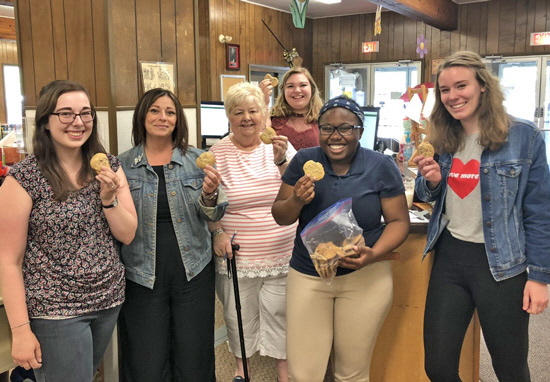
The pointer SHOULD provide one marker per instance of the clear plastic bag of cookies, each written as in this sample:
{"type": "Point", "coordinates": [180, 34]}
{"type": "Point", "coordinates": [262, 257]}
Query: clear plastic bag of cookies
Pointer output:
{"type": "Point", "coordinates": [331, 235]}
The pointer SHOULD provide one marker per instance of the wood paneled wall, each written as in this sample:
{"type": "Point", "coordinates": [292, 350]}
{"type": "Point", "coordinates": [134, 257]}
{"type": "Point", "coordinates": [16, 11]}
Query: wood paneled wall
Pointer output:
{"type": "Point", "coordinates": [63, 39]}
{"type": "Point", "coordinates": [8, 55]}
{"type": "Point", "coordinates": [497, 27]}
{"type": "Point", "coordinates": [153, 30]}
{"type": "Point", "coordinates": [100, 43]}
{"type": "Point", "coordinates": [243, 21]}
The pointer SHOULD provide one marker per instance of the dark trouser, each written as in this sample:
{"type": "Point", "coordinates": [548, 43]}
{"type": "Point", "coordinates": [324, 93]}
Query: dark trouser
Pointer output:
{"type": "Point", "coordinates": [167, 333]}
{"type": "Point", "coordinates": [460, 282]}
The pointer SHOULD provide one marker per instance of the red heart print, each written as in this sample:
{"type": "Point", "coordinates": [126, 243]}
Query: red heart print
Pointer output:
{"type": "Point", "coordinates": [463, 178]}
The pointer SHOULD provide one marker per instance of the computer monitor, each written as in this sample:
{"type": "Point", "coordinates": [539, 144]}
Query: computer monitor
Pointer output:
{"type": "Point", "coordinates": [370, 125]}
{"type": "Point", "coordinates": [214, 122]}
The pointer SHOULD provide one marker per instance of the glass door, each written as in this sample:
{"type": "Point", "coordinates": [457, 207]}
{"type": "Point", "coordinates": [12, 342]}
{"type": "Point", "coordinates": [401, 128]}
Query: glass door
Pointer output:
{"type": "Point", "coordinates": [390, 83]}
{"type": "Point", "coordinates": [526, 85]}
{"type": "Point", "coordinates": [380, 84]}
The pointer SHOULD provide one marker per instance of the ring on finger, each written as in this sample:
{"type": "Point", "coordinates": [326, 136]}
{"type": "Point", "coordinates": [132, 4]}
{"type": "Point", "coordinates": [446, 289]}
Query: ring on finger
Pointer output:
{"type": "Point", "coordinates": [112, 185]}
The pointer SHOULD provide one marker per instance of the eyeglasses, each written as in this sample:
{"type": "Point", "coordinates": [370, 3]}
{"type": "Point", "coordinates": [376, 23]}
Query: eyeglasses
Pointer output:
{"type": "Point", "coordinates": [69, 117]}
{"type": "Point", "coordinates": [344, 130]}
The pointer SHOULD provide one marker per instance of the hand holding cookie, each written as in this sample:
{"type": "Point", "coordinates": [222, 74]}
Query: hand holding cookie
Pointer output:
{"type": "Point", "coordinates": [314, 170]}
{"type": "Point", "coordinates": [205, 159]}
{"type": "Point", "coordinates": [99, 161]}
{"type": "Point", "coordinates": [267, 135]}
{"type": "Point", "coordinates": [274, 80]}
{"type": "Point", "coordinates": [108, 179]}
{"type": "Point", "coordinates": [426, 149]}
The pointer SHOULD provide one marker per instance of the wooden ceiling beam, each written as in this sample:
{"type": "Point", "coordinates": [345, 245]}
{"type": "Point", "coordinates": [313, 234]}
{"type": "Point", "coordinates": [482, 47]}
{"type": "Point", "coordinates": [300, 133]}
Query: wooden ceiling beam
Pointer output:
{"type": "Point", "coordinates": [441, 14]}
{"type": "Point", "coordinates": [7, 28]}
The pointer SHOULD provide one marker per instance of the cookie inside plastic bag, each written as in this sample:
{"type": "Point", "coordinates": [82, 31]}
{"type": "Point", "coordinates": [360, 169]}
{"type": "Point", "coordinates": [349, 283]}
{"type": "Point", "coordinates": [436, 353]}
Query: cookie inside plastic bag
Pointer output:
{"type": "Point", "coordinates": [331, 235]}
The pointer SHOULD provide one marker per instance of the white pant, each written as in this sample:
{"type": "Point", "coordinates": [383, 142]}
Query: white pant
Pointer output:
{"type": "Point", "coordinates": [263, 314]}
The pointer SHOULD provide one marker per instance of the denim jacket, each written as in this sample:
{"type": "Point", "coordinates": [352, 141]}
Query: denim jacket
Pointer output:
{"type": "Point", "coordinates": [515, 192]}
{"type": "Point", "coordinates": [189, 216]}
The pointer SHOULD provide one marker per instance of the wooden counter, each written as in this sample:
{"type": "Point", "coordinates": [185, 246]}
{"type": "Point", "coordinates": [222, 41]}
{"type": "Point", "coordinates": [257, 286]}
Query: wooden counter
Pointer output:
{"type": "Point", "coordinates": [6, 362]}
{"type": "Point", "coordinates": [399, 352]}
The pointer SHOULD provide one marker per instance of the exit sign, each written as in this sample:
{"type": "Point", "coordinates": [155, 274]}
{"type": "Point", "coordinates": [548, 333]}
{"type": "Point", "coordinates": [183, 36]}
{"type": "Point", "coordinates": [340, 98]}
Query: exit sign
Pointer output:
{"type": "Point", "coordinates": [540, 38]}
{"type": "Point", "coordinates": [370, 47]}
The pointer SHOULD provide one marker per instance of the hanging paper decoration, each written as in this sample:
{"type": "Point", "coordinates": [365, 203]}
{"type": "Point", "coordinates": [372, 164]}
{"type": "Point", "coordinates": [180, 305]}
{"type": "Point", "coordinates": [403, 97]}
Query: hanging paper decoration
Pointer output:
{"type": "Point", "coordinates": [298, 10]}
{"type": "Point", "coordinates": [378, 21]}
{"type": "Point", "coordinates": [421, 46]}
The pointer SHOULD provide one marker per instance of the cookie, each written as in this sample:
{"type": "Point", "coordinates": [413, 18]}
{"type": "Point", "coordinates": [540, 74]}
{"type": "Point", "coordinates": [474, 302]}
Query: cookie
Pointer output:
{"type": "Point", "coordinates": [274, 80]}
{"type": "Point", "coordinates": [205, 159]}
{"type": "Point", "coordinates": [98, 161]}
{"type": "Point", "coordinates": [426, 149]}
{"type": "Point", "coordinates": [325, 259]}
{"type": "Point", "coordinates": [267, 134]}
{"type": "Point", "coordinates": [348, 245]}
{"type": "Point", "coordinates": [329, 250]}
{"type": "Point", "coordinates": [314, 169]}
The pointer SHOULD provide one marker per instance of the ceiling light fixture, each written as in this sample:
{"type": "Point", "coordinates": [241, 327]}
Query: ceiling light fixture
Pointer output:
{"type": "Point", "coordinates": [328, 1]}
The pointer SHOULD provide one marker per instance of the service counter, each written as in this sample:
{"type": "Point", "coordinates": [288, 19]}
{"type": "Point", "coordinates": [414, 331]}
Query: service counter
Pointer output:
{"type": "Point", "coordinates": [6, 362]}
{"type": "Point", "coordinates": [399, 352]}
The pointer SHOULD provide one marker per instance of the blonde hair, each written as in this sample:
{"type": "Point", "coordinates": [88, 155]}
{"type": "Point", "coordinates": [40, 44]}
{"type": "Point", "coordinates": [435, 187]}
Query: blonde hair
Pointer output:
{"type": "Point", "coordinates": [447, 134]}
{"type": "Point", "coordinates": [281, 108]}
{"type": "Point", "coordinates": [241, 93]}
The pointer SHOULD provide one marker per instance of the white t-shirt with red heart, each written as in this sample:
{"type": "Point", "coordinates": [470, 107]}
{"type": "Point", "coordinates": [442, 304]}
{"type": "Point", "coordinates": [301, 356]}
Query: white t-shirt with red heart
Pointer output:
{"type": "Point", "coordinates": [463, 199]}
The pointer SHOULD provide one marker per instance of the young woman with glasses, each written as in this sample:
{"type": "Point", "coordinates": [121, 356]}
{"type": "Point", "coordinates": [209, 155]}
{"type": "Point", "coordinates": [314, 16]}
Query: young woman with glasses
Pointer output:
{"type": "Point", "coordinates": [350, 311]}
{"type": "Point", "coordinates": [61, 277]}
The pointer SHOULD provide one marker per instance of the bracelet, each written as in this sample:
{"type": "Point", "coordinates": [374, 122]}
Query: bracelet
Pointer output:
{"type": "Point", "coordinates": [210, 196]}
{"type": "Point", "coordinates": [20, 325]}
{"type": "Point", "coordinates": [281, 162]}
{"type": "Point", "coordinates": [217, 232]}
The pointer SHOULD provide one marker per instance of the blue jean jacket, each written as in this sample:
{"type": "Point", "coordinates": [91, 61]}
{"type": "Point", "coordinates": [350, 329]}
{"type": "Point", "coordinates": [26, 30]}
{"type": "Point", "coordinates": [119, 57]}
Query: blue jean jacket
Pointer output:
{"type": "Point", "coordinates": [189, 216]}
{"type": "Point", "coordinates": [515, 192]}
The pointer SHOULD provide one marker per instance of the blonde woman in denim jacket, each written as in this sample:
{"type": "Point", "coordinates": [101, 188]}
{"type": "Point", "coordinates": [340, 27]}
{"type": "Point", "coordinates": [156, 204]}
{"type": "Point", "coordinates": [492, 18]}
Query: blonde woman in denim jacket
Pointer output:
{"type": "Point", "coordinates": [489, 228]}
{"type": "Point", "coordinates": [166, 324]}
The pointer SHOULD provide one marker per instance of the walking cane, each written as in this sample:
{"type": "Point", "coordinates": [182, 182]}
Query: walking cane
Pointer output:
{"type": "Point", "coordinates": [232, 269]}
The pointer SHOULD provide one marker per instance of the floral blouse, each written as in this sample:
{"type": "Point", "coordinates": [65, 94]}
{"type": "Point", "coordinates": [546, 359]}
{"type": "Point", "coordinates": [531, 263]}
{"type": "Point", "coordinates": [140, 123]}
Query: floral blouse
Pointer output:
{"type": "Point", "coordinates": [71, 265]}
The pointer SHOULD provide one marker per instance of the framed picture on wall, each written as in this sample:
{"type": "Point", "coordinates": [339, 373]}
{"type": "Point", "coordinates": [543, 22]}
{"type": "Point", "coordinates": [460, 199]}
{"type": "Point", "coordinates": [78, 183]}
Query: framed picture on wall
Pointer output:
{"type": "Point", "coordinates": [157, 75]}
{"type": "Point", "coordinates": [232, 57]}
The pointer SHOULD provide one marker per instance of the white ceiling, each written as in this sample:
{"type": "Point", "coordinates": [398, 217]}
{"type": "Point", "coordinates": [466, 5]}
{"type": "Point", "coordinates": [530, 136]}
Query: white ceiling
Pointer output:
{"type": "Point", "coordinates": [319, 10]}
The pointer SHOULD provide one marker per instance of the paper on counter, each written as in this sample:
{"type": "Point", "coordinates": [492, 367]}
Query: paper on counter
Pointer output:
{"type": "Point", "coordinates": [8, 140]}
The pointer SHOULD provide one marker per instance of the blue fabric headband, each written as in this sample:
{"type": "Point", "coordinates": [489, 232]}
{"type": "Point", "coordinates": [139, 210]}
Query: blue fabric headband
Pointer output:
{"type": "Point", "coordinates": [346, 103]}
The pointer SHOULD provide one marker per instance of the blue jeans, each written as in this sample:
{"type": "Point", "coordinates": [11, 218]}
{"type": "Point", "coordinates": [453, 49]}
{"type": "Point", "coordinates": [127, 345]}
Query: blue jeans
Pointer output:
{"type": "Point", "coordinates": [72, 348]}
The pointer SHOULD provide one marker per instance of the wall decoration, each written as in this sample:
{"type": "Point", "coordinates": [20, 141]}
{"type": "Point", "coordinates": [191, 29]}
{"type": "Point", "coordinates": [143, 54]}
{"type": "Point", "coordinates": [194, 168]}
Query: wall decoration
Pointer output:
{"type": "Point", "coordinates": [435, 64]}
{"type": "Point", "coordinates": [421, 46]}
{"type": "Point", "coordinates": [378, 21]}
{"type": "Point", "coordinates": [291, 57]}
{"type": "Point", "coordinates": [232, 57]}
{"type": "Point", "coordinates": [157, 75]}
{"type": "Point", "coordinates": [298, 10]}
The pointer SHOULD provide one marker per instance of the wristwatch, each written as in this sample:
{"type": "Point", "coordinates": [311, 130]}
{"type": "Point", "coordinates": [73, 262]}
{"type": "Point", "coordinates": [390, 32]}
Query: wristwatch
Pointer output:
{"type": "Point", "coordinates": [113, 204]}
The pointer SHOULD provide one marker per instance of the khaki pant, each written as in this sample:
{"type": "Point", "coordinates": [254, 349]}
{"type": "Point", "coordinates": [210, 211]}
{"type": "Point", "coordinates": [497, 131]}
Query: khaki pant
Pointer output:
{"type": "Point", "coordinates": [348, 314]}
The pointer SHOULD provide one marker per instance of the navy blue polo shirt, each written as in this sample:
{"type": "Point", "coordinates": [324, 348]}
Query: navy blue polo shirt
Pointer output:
{"type": "Point", "coordinates": [371, 176]}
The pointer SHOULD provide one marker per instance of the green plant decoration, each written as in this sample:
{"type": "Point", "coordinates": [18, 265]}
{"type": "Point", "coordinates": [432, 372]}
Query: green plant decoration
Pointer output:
{"type": "Point", "coordinates": [298, 10]}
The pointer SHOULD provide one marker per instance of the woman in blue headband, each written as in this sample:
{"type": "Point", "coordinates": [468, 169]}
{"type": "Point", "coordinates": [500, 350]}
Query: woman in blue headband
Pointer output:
{"type": "Point", "coordinates": [347, 313]}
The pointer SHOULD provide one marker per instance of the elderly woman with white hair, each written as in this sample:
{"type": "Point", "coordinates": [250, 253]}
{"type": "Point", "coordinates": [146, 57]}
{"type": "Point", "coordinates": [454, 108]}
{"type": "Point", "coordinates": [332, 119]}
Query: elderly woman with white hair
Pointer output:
{"type": "Point", "coordinates": [251, 173]}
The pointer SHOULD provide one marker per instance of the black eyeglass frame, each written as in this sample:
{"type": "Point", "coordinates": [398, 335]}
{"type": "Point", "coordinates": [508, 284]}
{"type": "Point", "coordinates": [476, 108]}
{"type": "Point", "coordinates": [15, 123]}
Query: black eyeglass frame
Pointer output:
{"type": "Point", "coordinates": [92, 113]}
{"type": "Point", "coordinates": [337, 128]}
